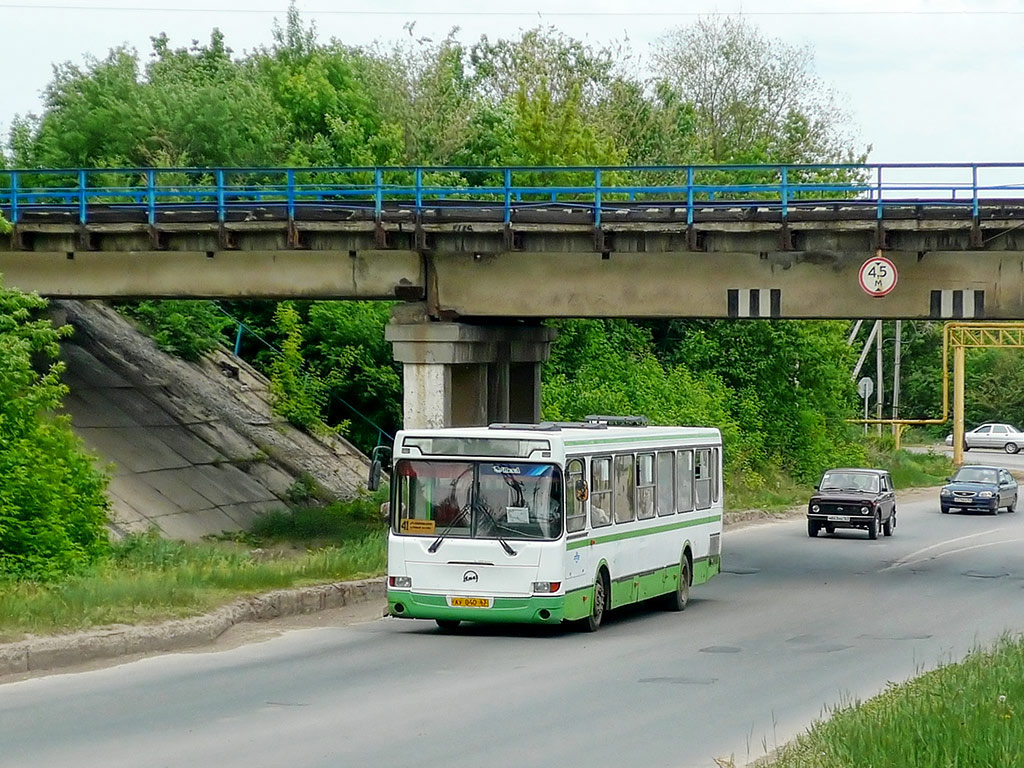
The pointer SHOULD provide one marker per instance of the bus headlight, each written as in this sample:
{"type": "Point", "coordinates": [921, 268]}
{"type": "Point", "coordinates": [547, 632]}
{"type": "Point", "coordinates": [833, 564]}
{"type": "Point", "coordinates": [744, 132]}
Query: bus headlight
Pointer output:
{"type": "Point", "coordinates": [546, 587]}
{"type": "Point", "coordinates": [400, 582]}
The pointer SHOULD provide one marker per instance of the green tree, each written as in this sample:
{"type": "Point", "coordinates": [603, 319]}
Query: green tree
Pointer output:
{"type": "Point", "coordinates": [298, 395]}
{"type": "Point", "coordinates": [52, 502]}
{"type": "Point", "coordinates": [754, 99]}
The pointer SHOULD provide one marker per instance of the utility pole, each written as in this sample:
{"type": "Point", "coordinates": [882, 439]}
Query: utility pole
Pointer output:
{"type": "Point", "coordinates": [879, 394]}
{"type": "Point", "coordinates": [896, 382]}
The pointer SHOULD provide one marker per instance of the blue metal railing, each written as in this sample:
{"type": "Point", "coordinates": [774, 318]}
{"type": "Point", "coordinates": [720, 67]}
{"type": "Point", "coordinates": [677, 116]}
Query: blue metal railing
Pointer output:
{"type": "Point", "coordinates": [375, 191]}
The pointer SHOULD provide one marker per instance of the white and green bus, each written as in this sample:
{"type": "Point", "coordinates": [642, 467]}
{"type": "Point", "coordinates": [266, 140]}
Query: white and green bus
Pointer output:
{"type": "Point", "coordinates": [551, 522]}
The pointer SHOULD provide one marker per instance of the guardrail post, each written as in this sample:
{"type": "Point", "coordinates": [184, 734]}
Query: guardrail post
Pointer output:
{"type": "Point", "coordinates": [878, 193]}
{"type": "Point", "coordinates": [508, 195]}
{"type": "Point", "coordinates": [151, 197]}
{"type": "Point", "coordinates": [82, 210]}
{"type": "Point", "coordinates": [785, 191]}
{"type": "Point", "coordinates": [220, 195]}
{"type": "Point", "coordinates": [974, 191]}
{"type": "Point", "coordinates": [290, 192]}
{"type": "Point", "coordinates": [689, 196]}
{"type": "Point", "coordinates": [238, 339]}
{"type": "Point", "coordinates": [597, 197]}
{"type": "Point", "coordinates": [419, 189]}
{"type": "Point", "coordinates": [14, 197]}
{"type": "Point", "coordinates": [378, 193]}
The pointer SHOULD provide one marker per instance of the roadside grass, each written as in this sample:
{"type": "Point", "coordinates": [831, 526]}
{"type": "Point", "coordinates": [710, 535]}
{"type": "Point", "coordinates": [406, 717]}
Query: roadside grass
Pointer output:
{"type": "Point", "coordinates": [965, 714]}
{"type": "Point", "coordinates": [911, 470]}
{"type": "Point", "coordinates": [148, 579]}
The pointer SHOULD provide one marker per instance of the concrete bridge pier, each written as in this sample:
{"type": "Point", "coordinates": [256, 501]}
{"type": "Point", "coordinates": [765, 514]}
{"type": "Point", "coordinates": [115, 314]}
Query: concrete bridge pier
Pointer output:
{"type": "Point", "coordinates": [458, 374]}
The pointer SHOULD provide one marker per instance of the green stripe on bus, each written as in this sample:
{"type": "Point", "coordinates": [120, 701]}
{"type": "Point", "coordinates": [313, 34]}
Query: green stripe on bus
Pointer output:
{"type": "Point", "coordinates": [645, 439]}
{"type": "Point", "coordinates": [585, 542]}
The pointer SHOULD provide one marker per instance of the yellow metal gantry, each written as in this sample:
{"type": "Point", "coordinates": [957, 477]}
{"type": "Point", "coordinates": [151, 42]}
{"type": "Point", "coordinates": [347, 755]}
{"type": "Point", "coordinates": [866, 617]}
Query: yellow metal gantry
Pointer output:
{"type": "Point", "coordinates": [960, 337]}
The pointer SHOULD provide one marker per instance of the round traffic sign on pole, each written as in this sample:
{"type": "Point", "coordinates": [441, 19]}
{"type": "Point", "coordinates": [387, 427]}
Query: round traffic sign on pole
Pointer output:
{"type": "Point", "coordinates": [878, 276]}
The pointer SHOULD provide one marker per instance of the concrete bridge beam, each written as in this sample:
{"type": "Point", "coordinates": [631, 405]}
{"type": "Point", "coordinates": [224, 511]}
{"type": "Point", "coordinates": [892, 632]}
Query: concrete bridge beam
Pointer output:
{"type": "Point", "coordinates": [457, 374]}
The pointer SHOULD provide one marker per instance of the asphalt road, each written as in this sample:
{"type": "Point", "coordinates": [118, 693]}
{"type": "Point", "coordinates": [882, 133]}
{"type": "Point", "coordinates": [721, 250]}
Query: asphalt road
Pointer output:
{"type": "Point", "coordinates": [996, 458]}
{"type": "Point", "coordinates": [793, 626]}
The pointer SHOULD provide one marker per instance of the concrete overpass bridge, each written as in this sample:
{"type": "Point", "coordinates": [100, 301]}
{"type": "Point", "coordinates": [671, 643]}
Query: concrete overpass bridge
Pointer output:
{"type": "Point", "coordinates": [481, 255]}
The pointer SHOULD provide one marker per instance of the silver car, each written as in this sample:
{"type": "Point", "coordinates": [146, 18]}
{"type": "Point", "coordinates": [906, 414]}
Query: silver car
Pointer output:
{"type": "Point", "coordinates": [1005, 437]}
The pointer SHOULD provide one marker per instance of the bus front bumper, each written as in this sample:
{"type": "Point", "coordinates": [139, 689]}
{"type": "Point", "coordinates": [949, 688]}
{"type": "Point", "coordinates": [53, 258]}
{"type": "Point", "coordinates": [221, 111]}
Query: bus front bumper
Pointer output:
{"type": "Point", "coordinates": [519, 610]}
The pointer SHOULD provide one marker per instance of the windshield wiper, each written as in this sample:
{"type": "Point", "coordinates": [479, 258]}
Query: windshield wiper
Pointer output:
{"type": "Point", "coordinates": [504, 544]}
{"type": "Point", "coordinates": [458, 519]}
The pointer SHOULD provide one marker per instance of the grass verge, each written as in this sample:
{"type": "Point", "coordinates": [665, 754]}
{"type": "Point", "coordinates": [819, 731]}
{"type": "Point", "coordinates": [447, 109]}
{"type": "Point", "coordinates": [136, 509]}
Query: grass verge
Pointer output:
{"type": "Point", "coordinates": [149, 579]}
{"type": "Point", "coordinates": [965, 714]}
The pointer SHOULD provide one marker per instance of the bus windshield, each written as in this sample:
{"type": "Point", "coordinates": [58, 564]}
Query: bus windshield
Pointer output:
{"type": "Point", "coordinates": [478, 499]}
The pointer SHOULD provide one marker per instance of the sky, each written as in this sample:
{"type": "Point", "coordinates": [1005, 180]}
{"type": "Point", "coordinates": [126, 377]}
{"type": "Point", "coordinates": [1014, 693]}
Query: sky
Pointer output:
{"type": "Point", "coordinates": [923, 80]}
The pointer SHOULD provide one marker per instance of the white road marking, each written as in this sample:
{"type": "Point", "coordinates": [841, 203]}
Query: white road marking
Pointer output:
{"type": "Point", "coordinates": [907, 561]}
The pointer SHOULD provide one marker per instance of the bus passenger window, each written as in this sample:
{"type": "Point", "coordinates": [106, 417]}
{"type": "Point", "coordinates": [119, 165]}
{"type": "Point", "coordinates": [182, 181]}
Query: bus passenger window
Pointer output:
{"type": "Point", "coordinates": [666, 483]}
{"type": "Point", "coordinates": [645, 486]}
{"type": "Point", "coordinates": [684, 480]}
{"type": "Point", "coordinates": [600, 492]}
{"type": "Point", "coordinates": [702, 478]}
{"type": "Point", "coordinates": [575, 510]}
{"type": "Point", "coordinates": [716, 473]}
{"type": "Point", "coordinates": [625, 486]}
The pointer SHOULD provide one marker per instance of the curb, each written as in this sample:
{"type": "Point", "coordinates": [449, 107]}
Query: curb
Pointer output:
{"type": "Point", "coordinates": [39, 654]}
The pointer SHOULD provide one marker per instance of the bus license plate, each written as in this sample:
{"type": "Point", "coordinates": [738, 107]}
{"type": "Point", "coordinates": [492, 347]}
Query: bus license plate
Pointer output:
{"type": "Point", "coordinates": [839, 518]}
{"type": "Point", "coordinates": [470, 602]}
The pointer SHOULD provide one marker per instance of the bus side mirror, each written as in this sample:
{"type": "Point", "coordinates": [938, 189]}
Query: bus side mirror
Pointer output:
{"type": "Point", "coordinates": [373, 482]}
{"type": "Point", "coordinates": [376, 466]}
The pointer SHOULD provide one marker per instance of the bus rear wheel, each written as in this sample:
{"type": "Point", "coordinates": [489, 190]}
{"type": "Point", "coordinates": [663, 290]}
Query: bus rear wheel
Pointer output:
{"type": "Point", "coordinates": [448, 625]}
{"type": "Point", "coordinates": [678, 600]}
{"type": "Point", "coordinates": [593, 621]}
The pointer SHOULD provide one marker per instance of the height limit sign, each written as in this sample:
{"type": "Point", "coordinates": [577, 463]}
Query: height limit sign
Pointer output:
{"type": "Point", "coordinates": [878, 276]}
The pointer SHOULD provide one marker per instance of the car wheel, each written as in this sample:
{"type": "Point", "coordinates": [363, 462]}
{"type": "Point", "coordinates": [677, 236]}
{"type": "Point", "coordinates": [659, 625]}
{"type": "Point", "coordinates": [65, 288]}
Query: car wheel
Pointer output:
{"type": "Point", "coordinates": [994, 510]}
{"type": "Point", "coordinates": [1013, 504]}
{"type": "Point", "coordinates": [873, 527]}
{"type": "Point", "coordinates": [812, 528]}
{"type": "Point", "coordinates": [890, 524]}
{"type": "Point", "coordinates": [830, 529]}
{"type": "Point", "coordinates": [1011, 448]}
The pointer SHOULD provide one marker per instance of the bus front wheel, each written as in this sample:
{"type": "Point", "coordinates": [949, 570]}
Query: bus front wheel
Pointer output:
{"type": "Point", "coordinates": [593, 621]}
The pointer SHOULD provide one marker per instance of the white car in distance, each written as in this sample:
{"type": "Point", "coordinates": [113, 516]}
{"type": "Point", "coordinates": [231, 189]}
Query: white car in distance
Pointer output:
{"type": "Point", "coordinates": [1005, 437]}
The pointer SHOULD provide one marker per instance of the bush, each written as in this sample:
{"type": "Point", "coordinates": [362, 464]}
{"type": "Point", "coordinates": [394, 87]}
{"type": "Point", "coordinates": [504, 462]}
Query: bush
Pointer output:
{"type": "Point", "coordinates": [52, 499]}
{"type": "Point", "coordinates": [188, 329]}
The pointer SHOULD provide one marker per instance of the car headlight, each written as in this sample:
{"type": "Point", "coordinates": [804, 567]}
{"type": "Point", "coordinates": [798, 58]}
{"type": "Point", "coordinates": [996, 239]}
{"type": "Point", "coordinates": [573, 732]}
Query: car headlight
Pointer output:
{"type": "Point", "coordinates": [945, 492]}
{"type": "Point", "coordinates": [865, 511]}
{"type": "Point", "coordinates": [815, 508]}
{"type": "Point", "coordinates": [985, 495]}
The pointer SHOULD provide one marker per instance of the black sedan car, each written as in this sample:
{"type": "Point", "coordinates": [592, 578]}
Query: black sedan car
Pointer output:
{"type": "Point", "coordinates": [853, 498]}
{"type": "Point", "coordinates": [986, 489]}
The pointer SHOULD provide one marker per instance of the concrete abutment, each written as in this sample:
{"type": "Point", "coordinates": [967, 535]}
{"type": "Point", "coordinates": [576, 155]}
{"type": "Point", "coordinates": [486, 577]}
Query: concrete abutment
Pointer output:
{"type": "Point", "coordinates": [460, 374]}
